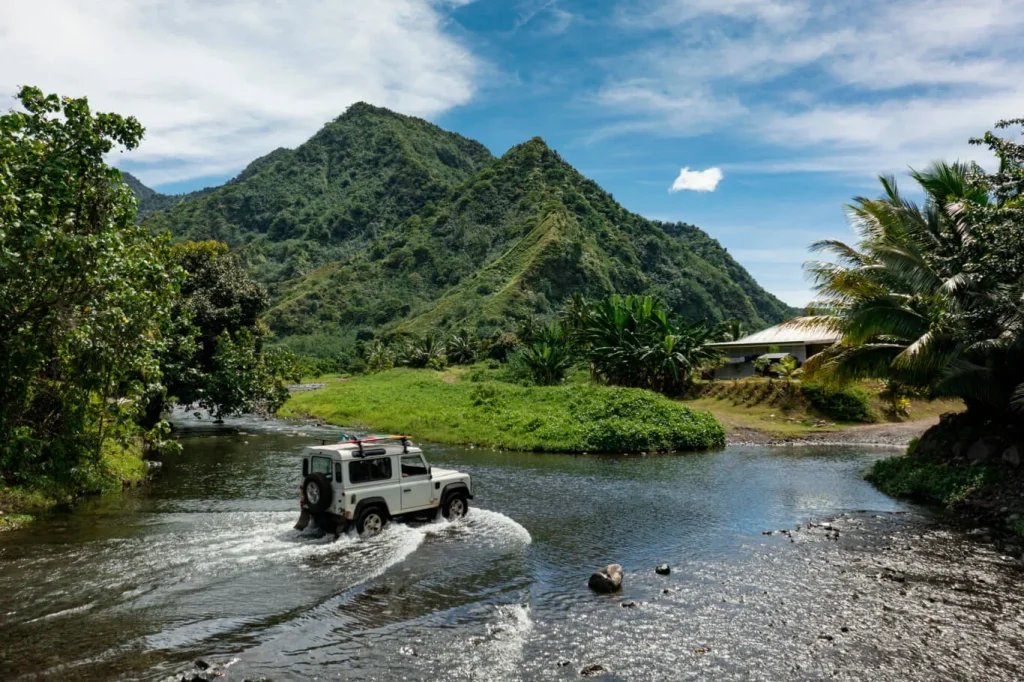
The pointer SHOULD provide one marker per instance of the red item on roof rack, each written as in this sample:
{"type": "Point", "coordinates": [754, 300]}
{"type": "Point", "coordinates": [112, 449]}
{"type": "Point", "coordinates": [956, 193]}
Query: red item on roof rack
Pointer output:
{"type": "Point", "coordinates": [374, 439]}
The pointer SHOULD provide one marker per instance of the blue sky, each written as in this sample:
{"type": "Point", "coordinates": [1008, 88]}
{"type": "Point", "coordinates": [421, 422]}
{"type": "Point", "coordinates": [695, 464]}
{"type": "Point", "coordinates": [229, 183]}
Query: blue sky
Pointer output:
{"type": "Point", "coordinates": [780, 110]}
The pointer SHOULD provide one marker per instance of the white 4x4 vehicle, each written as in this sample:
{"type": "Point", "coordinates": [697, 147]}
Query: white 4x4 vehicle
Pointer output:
{"type": "Point", "coordinates": [371, 481]}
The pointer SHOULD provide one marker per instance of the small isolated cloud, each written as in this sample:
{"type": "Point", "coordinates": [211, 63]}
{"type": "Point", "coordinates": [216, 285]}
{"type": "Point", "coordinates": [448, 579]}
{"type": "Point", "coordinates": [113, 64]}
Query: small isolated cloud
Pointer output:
{"type": "Point", "coordinates": [697, 181]}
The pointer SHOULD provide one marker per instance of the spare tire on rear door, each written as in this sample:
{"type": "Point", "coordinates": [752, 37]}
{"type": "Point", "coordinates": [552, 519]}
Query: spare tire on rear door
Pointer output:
{"type": "Point", "coordinates": [317, 490]}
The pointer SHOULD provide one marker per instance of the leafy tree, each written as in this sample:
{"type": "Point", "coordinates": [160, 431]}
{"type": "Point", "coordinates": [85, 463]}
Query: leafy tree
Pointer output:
{"type": "Point", "coordinates": [932, 296]}
{"type": "Point", "coordinates": [83, 290]}
{"type": "Point", "coordinates": [216, 356]}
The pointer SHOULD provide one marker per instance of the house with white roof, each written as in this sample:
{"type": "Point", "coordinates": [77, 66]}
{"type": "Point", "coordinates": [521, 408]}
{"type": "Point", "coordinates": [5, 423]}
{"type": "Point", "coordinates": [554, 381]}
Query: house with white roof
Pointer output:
{"type": "Point", "coordinates": [776, 343]}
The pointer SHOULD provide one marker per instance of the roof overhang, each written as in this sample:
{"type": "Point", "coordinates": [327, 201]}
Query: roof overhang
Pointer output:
{"type": "Point", "coordinates": [758, 344]}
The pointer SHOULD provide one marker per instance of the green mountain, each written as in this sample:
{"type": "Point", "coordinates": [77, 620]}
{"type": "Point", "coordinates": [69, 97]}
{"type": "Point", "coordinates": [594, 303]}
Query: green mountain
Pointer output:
{"type": "Point", "coordinates": [386, 222]}
{"type": "Point", "coordinates": [149, 201]}
{"type": "Point", "coordinates": [294, 210]}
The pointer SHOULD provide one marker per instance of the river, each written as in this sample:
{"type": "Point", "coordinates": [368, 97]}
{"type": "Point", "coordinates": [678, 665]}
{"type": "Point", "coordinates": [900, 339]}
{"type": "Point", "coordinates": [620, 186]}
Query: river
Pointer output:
{"type": "Point", "coordinates": [203, 564]}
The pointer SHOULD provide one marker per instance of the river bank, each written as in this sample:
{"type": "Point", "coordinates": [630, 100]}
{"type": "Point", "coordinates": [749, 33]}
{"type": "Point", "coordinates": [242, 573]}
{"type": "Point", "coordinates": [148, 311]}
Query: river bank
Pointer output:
{"type": "Point", "coordinates": [466, 406]}
{"type": "Point", "coordinates": [119, 466]}
{"type": "Point", "coordinates": [968, 465]}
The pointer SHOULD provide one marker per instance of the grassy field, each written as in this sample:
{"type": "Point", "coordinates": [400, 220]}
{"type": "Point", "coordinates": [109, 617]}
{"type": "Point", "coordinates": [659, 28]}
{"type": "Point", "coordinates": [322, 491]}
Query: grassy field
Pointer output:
{"type": "Point", "coordinates": [467, 406]}
{"type": "Point", "coordinates": [738, 407]}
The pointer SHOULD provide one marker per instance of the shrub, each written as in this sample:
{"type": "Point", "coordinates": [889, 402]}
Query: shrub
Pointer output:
{"type": "Point", "coordinates": [846, 403]}
{"type": "Point", "coordinates": [502, 346]}
{"type": "Point", "coordinates": [462, 348]}
{"type": "Point", "coordinates": [938, 483]}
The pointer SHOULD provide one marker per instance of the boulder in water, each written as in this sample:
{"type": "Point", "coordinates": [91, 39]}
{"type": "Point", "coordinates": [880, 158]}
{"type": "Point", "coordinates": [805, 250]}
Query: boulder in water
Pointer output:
{"type": "Point", "coordinates": [1011, 456]}
{"type": "Point", "coordinates": [607, 579]}
{"type": "Point", "coordinates": [663, 569]}
{"type": "Point", "coordinates": [593, 670]}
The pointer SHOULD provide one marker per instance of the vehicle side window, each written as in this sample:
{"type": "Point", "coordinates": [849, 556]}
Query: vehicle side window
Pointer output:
{"type": "Point", "coordinates": [367, 470]}
{"type": "Point", "coordinates": [413, 465]}
{"type": "Point", "coordinates": [323, 465]}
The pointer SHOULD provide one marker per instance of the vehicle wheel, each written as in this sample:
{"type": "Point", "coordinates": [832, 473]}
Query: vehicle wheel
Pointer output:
{"type": "Point", "coordinates": [455, 506]}
{"type": "Point", "coordinates": [318, 493]}
{"type": "Point", "coordinates": [371, 521]}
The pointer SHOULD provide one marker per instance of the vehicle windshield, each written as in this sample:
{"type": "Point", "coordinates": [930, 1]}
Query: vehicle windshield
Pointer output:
{"type": "Point", "coordinates": [413, 465]}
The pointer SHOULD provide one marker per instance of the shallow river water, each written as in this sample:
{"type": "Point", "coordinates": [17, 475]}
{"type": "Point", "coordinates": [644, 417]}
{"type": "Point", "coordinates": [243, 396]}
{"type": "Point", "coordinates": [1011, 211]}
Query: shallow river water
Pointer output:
{"type": "Point", "coordinates": [203, 564]}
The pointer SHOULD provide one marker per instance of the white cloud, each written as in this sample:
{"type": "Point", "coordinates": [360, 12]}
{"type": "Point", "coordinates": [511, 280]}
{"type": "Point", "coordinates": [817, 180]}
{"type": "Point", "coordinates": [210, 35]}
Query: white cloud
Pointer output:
{"type": "Point", "coordinates": [218, 84]}
{"type": "Point", "coordinates": [697, 181]}
{"type": "Point", "coordinates": [879, 85]}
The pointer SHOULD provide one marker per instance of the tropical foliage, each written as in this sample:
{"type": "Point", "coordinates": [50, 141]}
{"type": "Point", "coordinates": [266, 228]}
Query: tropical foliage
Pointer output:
{"type": "Point", "coordinates": [932, 296]}
{"type": "Point", "coordinates": [634, 341]}
{"type": "Point", "coordinates": [462, 348]}
{"type": "Point", "coordinates": [102, 323]}
{"type": "Point", "coordinates": [549, 356]}
{"type": "Point", "coordinates": [423, 352]}
{"type": "Point", "coordinates": [731, 330]}
{"type": "Point", "coordinates": [83, 290]}
{"type": "Point", "coordinates": [214, 356]}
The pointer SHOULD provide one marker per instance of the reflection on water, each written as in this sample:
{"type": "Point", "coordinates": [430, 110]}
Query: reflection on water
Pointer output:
{"type": "Point", "coordinates": [204, 564]}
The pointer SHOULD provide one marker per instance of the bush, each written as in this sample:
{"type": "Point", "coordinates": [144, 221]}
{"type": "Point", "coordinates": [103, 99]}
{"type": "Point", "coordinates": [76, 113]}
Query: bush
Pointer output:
{"type": "Point", "coordinates": [922, 480]}
{"type": "Point", "coordinates": [846, 403]}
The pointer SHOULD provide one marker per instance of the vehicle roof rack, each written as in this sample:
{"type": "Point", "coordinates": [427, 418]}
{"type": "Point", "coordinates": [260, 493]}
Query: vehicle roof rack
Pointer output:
{"type": "Point", "coordinates": [376, 439]}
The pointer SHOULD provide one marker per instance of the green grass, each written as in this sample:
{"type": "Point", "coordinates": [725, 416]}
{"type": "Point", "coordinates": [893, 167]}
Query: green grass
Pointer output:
{"type": "Point", "coordinates": [922, 480]}
{"type": "Point", "coordinates": [14, 521]}
{"type": "Point", "coordinates": [118, 464]}
{"type": "Point", "coordinates": [451, 407]}
{"type": "Point", "coordinates": [752, 404]}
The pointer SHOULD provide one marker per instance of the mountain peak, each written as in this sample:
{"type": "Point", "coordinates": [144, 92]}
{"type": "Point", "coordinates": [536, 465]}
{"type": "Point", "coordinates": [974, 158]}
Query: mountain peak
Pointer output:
{"type": "Point", "coordinates": [365, 109]}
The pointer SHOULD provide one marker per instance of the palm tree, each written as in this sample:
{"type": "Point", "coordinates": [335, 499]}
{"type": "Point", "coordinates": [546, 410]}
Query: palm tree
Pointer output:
{"type": "Point", "coordinates": [426, 351]}
{"type": "Point", "coordinates": [462, 348]}
{"type": "Point", "coordinates": [634, 341]}
{"type": "Point", "coordinates": [379, 358]}
{"type": "Point", "coordinates": [912, 299]}
{"type": "Point", "coordinates": [550, 356]}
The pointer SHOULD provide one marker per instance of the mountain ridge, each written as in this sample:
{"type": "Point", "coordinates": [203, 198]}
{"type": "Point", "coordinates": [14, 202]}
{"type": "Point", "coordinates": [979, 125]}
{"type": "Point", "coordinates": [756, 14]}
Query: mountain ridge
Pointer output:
{"type": "Point", "coordinates": [384, 223]}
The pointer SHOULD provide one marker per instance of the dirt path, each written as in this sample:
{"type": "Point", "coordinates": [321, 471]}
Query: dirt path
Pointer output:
{"type": "Point", "coordinates": [897, 434]}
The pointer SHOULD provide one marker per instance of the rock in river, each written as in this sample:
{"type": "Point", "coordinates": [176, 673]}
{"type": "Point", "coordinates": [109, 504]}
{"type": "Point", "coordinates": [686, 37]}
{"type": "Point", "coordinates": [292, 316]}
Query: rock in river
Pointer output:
{"type": "Point", "coordinates": [663, 569]}
{"type": "Point", "coordinates": [984, 450]}
{"type": "Point", "coordinates": [606, 580]}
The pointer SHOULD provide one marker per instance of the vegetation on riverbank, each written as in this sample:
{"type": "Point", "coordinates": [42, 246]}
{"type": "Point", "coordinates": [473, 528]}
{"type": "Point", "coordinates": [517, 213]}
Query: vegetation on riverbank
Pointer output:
{"type": "Point", "coordinates": [930, 482]}
{"type": "Point", "coordinates": [781, 409]}
{"type": "Point", "coordinates": [931, 300]}
{"type": "Point", "coordinates": [119, 464]}
{"type": "Point", "coordinates": [101, 322]}
{"type": "Point", "coordinates": [979, 476]}
{"type": "Point", "coordinates": [469, 406]}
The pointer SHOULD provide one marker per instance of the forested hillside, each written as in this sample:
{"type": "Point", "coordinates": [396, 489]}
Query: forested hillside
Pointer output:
{"type": "Point", "coordinates": [294, 210]}
{"type": "Point", "coordinates": [383, 222]}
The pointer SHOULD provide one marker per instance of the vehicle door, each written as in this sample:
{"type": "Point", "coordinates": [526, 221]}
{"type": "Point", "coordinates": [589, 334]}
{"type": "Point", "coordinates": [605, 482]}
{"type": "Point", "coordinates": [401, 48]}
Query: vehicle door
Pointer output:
{"type": "Point", "coordinates": [415, 482]}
